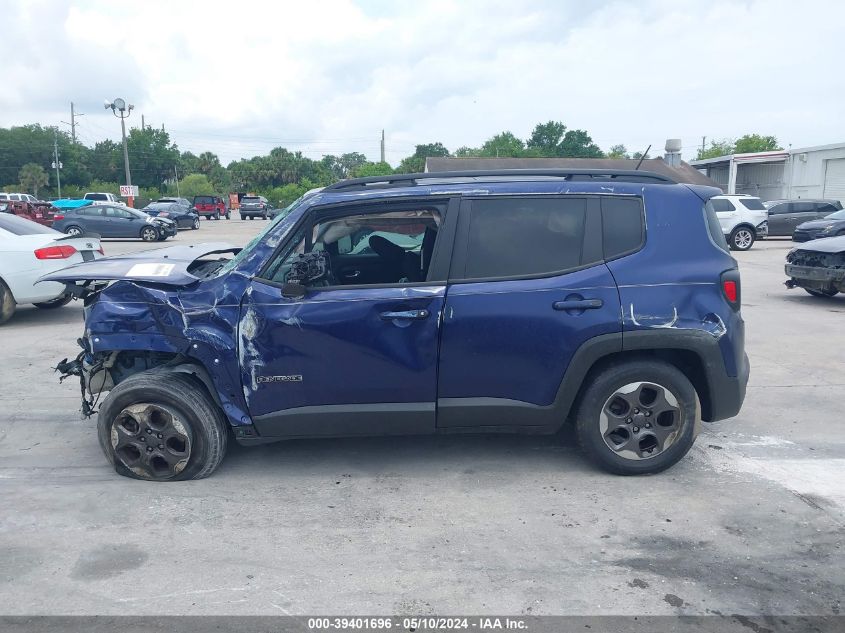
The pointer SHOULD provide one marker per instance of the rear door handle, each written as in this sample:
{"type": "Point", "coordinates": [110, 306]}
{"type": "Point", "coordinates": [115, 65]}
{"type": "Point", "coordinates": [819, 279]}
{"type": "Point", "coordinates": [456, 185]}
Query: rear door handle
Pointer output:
{"type": "Point", "coordinates": [351, 274]}
{"type": "Point", "coordinates": [405, 315]}
{"type": "Point", "coordinates": [578, 304]}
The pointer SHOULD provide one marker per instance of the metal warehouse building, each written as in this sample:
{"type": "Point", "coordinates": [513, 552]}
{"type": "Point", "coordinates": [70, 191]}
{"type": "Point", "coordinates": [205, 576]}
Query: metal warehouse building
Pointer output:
{"type": "Point", "coordinates": [808, 172]}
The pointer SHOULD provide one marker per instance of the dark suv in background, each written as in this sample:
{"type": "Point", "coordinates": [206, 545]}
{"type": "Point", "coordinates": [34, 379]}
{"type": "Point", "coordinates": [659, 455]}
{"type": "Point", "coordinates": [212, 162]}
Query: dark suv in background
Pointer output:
{"type": "Point", "coordinates": [210, 207]}
{"type": "Point", "coordinates": [459, 302]}
{"type": "Point", "coordinates": [255, 207]}
{"type": "Point", "coordinates": [786, 215]}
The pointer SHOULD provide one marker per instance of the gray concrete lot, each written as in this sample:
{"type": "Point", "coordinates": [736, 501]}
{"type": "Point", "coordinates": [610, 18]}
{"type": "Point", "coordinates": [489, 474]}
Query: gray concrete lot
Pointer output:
{"type": "Point", "coordinates": [750, 522]}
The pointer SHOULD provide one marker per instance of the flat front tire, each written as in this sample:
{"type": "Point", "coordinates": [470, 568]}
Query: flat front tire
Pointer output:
{"type": "Point", "coordinates": [638, 417]}
{"type": "Point", "coordinates": [161, 426]}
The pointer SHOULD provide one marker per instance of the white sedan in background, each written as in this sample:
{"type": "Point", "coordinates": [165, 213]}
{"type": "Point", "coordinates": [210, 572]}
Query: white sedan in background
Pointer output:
{"type": "Point", "coordinates": [28, 251]}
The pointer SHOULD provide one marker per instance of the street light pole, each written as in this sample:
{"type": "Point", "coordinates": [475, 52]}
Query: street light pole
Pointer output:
{"type": "Point", "coordinates": [120, 109]}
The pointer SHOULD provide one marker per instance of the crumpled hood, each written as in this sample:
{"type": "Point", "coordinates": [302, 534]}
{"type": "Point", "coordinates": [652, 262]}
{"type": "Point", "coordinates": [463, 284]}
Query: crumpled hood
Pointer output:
{"type": "Point", "coordinates": [824, 245]}
{"type": "Point", "coordinates": [820, 224]}
{"type": "Point", "coordinates": [167, 265]}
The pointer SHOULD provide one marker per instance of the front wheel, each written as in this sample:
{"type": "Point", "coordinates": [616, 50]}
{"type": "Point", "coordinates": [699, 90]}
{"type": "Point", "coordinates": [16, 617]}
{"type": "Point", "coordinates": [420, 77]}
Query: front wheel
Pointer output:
{"type": "Point", "coordinates": [638, 417]}
{"type": "Point", "coordinates": [161, 426]}
{"type": "Point", "coordinates": [58, 302]}
{"type": "Point", "coordinates": [196, 224]}
{"type": "Point", "coordinates": [7, 303]}
{"type": "Point", "coordinates": [741, 238]}
{"type": "Point", "coordinates": [150, 234]}
{"type": "Point", "coordinates": [73, 230]}
{"type": "Point", "coordinates": [217, 215]}
{"type": "Point", "coordinates": [822, 293]}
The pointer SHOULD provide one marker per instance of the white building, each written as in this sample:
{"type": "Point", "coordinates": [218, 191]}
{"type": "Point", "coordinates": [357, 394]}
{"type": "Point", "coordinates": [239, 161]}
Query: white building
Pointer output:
{"type": "Point", "coordinates": [808, 172]}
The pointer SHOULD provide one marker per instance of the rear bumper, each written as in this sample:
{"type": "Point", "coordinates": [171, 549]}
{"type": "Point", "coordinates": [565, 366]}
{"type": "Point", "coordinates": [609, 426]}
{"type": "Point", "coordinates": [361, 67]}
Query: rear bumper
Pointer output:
{"type": "Point", "coordinates": [728, 392]}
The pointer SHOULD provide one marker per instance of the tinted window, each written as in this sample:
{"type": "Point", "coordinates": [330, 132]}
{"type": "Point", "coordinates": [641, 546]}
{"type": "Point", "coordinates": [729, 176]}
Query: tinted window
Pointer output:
{"type": "Point", "coordinates": [753, 204]}
{"type": "Point", "coordinates": [205, 200]}
{"type": "Point", "coordinates": [21, 226]}
{"type": "Point", "coordinates": [114, 212]}
{"type": "Point", "coordinates": [622, 225]}
{"type": "Point", "coordinates": [825, 207]}
{"type": "Point", "coordinates": [713, 226]}
{"type": "Point", "coordinates": [96, 196]}
{"type": "Point", "coordinates": [517, 237]}
{"type": "Point", "coordinates": [779, 209]}
{"type": "Point", "coordinates": [88, 211]}
{"type": "Point", "coordinates": [722, 204]}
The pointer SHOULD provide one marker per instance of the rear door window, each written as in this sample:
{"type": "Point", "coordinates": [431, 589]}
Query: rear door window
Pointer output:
{"type": "Point", "coordinates": [518, 237]}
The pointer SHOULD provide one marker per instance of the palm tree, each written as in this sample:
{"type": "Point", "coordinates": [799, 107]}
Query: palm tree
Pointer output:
{"type": "Point", "coordinates": [32, 176]}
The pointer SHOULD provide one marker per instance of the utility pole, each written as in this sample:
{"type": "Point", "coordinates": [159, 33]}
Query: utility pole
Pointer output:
{"type": "Point", "coordinates": [56, 162]}
{"type": "Point", "coordinates": [176, 173]}
{"type": "Point", "coordinates": [703, 138]}
{"type": "Point", "coordinates": [142, 122]}
{"type": "Point", "coordinates": [382, 146]}
{"type": "Point", "coordinates": [121, 109]}
{"type": "Point", "coordinates": [72, 122]}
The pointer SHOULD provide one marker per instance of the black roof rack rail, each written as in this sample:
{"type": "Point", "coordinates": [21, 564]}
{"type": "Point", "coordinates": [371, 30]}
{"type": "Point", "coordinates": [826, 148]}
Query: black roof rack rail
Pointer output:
{"type": "Point", "coordinates": [409, 180]}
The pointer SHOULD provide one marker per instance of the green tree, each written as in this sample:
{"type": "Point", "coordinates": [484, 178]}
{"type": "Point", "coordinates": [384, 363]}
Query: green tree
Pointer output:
{"type": "Point", "coordinates": [755, 143]}
{"type": "Point", "coordinates": [373, 169]}
{"type": "Point", "coordinates": [415, 163]}
{"type": "Point", "coordinates": [618, 151]}
{"type": "Point", "coordinates": [32, 176]}
{"type": "Point", "coordinates": [193, 185]}
{"type": "Point", "coordinates": [503, 145]}
{"type": "Point", "coordinates": [578, 144]}
{"type": "Point", "coordinates": [716, 149]}
{"type": "Point", "coordinates": [152, 157]}
{"type": "Point", "coordinates": [545, 139]}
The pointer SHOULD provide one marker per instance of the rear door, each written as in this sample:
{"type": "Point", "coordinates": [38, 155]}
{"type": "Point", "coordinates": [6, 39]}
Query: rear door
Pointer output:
{"type": "Point", "coordinates": [528, 286]}
{"type": "Point", "coordinates": [800, 212]}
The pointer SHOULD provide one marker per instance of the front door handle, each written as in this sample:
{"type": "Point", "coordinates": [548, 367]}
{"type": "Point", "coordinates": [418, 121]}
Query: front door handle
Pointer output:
{"type": "Point", "coordinates": [578, 304]}
{"type": "Point", "coordinates": [352, 274]}
{"type": "Point", "coordinates": [405, 315]}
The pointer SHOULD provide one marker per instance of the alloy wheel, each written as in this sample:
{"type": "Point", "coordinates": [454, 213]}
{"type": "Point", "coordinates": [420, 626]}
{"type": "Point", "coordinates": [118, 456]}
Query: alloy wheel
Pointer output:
{"type": "Point", "coordinates": [149, 234]}
{"type": "Point", "coordinates": [151, 441]}
{"type": "Point", "coordinates": [641, 420]}
{"type": "Point", "coordinates": [73, 230]}
{"type": "Point", "coordinates": [743, 239]}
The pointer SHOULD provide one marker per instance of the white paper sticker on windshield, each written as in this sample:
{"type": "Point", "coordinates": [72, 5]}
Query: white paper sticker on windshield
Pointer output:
{"type": "Point", "coordinates": [150, 270]}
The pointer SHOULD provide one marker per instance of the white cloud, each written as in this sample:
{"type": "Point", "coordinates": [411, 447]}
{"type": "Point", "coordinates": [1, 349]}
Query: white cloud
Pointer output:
{"type": "Point", "coordinates": [326, 76]}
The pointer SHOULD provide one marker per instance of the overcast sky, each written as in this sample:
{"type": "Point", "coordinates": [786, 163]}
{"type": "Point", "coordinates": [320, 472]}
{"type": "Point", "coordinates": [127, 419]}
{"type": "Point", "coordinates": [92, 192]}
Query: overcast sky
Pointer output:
{"type": "Point", "coordinates": [240, 77]}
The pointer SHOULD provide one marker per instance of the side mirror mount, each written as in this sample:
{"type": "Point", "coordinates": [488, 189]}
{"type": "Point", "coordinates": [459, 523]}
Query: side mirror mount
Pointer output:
{"type": "Point", "coordinates": [292, 290]}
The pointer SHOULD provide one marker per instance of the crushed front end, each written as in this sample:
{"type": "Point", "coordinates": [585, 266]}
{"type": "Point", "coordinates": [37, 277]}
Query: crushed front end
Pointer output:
{"type": "Point", "coordinates": [818, 266]}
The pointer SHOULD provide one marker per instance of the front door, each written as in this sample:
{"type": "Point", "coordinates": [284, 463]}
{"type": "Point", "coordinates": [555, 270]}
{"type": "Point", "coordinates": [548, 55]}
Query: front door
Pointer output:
{"type": "Point", "coordinates": [357, 354]}
{"type": "Point", "coordinates": [527, 288]}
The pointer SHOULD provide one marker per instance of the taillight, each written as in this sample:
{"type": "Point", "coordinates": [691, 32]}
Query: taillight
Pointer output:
{"type": "Point", "coordinates": [58, 217]}
{"type": "Point", "coordinates": [55, 252]}
{"type": "Point", "coordinates": [731, 288]}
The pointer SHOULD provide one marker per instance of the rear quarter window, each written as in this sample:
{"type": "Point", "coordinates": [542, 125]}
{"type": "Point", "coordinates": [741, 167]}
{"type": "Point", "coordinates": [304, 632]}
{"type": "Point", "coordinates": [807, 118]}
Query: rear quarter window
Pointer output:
{"type": "Point", "coordinates": [722, 204]}
{"type": "Point", "coordinates": [753, 204]}
{"type": "Point", "coordinates": [713, 226]}
{"type": "Point", "coordinates": [623, 226]}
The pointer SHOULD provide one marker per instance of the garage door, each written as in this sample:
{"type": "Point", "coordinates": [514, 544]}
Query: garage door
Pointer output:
{"type": "Point", "coordinates": [834, 180]}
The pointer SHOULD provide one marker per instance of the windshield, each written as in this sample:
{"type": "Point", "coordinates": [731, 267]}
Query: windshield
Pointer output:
{"type": "Point", "coordinates": [260, 237]}
{"type": "Point", "coordinates": [839, 215]}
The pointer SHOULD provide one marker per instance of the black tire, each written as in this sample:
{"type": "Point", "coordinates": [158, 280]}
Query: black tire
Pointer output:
{"type": "Point", "coordinates": [251, 217]}
{"type": "Point", "coordinates": [74, 230]}
{"type": "Point", "coordinates": [228, 215]}
{"type": "Point", "coordinates": [162, 393]}
{"type": "Point", "coordinates": [742, 238]}
{"type": "Point", "coordinates": [826, 294]}
{"type": "Point", "coordinates": [150, 234]}
{"type": "Point", "coordinates": [598, 401]}
{"type": "Point", "coordinates": [58, 302]}
{"type": "Point", "coordinates": [217, 215]}
{"type": "Point", "coordinates": [196, 224]}
{"type": "Point", "coordinates": [7, 303]}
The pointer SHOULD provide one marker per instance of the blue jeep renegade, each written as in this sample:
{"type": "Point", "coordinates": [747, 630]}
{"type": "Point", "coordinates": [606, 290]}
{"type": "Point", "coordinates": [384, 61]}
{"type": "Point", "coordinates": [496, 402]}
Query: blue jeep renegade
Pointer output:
{"type": "Point", "coordinates": [512, 302]}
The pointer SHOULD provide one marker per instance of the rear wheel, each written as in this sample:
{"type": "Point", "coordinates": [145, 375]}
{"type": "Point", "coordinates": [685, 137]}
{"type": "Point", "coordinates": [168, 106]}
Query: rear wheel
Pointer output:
{"type": "Point", "coordinates": [73, 230]}
{"type": "Point", "coordinates": [822, 293]}
{"type": "Point", "coordinates": [196, 223]}
{"type": "Point", "coordinates": [161, 426]}
{"type": "Point", "coordinates": [7, 303]}
{"type": "Point", "coordinates": [149, 234]}
{"type": "Point", "coordinates": [58, 302]}
{"type": "Point", "coordinates": [741, 238]}
{"type": "Point", "coordinates": [638, 417]}
{"type": "Point", "coordinates": [217, 215]}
